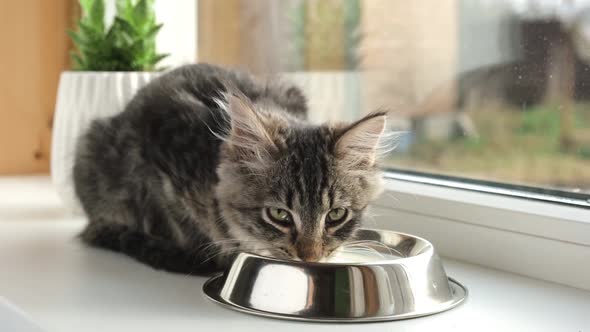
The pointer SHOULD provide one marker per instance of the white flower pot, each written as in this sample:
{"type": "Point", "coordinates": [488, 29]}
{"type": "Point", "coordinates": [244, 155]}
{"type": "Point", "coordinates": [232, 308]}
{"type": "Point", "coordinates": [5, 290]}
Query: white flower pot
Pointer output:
{"type": "Point", "coordinates": [81, 98]}
{"type": "Point", "coordinates": [332, 96]}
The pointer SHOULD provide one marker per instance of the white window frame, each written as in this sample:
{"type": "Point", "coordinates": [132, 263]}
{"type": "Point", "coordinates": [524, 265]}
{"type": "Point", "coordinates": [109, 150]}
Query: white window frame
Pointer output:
{"type": "Point", "coordinates": [544, 240]}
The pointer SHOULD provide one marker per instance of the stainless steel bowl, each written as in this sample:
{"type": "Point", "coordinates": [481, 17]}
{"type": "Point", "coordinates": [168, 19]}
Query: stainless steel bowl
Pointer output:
{"type": "Point", "coordinates": [404, 279]}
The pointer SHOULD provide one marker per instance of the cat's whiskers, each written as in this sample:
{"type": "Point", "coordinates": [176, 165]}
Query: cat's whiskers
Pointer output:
{"type": "Point", "coordinates": [220, 252]}
{"type": "Point", "coordinates": [225, 251]}
{"type": "Point", "coordinates": [237, 242]}
{"type": "Point", "coordinates": [391, 196]}
{"type": "Point", "coordinates": [370, 218]}
{"type": "Point", "coordinates": [229, 244]}
{"type": "Point", "coordinates": [362, 248]}
{"type": "Point", "coordinates": [379, 244]}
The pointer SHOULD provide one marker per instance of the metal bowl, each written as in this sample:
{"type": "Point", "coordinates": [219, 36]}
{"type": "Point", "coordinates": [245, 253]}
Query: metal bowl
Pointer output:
{"type": "Point", "coordinates": [403, 279]}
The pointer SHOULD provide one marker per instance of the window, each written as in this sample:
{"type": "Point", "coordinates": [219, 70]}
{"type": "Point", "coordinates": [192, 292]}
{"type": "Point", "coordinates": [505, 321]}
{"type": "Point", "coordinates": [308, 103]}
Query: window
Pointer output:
{"type": "Point", "coordinates": [489, 94]}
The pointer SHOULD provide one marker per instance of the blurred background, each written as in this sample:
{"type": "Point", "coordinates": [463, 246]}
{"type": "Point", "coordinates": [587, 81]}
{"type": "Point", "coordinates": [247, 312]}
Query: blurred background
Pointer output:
{"type": "Point", "coordinates": [495, 90]}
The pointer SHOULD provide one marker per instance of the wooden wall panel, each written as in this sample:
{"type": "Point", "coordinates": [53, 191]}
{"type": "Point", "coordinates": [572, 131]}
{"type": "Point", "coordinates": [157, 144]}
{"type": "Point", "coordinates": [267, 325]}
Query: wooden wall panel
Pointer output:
{"type": "Point", "coordinates": [410, 66]}
{"type": "Point", "coordinates": [219, 27]}
{"type": "Point", "coordinates": [34, 50]}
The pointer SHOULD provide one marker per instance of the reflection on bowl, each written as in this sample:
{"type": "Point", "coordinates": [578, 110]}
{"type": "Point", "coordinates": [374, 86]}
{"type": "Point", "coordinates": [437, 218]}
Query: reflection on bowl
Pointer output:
{"type": "Point", "coordinates": [384, 276]}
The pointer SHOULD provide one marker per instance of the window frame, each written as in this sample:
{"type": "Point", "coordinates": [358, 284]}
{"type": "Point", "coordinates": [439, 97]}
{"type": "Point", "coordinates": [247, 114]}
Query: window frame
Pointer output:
{"type": "Point", "coordinates": [576, 199]}
{"type": "Point", "coordinates": [525, 235]}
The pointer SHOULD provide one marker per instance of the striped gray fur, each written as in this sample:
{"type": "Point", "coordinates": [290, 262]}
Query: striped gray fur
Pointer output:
{"type": "Point", "coordinates": [186, 175]}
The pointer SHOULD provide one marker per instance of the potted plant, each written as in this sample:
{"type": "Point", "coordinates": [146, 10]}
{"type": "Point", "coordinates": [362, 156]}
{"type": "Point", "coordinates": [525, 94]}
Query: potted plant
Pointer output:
{"type": "Point", "coordinates": [111, 64]}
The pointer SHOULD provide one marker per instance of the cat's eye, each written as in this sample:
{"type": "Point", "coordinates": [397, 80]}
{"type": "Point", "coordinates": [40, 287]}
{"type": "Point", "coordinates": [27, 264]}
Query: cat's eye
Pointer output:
{"type": "Point", "coordinates": [336, 215]}
{"type": "Point", "coordinates": [278, 215]}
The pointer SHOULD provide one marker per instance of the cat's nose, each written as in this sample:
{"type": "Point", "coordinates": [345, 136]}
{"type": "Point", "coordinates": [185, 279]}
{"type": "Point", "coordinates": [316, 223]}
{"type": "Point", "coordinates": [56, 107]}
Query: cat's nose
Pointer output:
{"type": "Point", "coordinates": [309, 251]}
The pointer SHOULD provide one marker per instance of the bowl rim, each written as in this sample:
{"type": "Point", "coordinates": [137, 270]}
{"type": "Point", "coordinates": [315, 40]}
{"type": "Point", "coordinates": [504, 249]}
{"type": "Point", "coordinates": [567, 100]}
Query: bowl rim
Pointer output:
{"type": "Point", "coordinates": [212, 291]}
{"type": "Point", "coordinates": [283, 261]}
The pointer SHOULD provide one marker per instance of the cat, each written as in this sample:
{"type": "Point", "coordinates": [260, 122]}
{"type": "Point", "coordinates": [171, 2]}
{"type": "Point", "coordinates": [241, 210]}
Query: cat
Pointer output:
{"type": "Point", "coordinates": [205, 162]}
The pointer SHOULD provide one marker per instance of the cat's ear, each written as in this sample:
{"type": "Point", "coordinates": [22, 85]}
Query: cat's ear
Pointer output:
{"type": "Point", "coordinates": [359, 143]}
{"type": "Point", "coordinates": [248, 133]}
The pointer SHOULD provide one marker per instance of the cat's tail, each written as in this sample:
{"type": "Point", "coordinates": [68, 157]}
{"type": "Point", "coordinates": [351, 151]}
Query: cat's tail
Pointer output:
{"type": "Point", "coordinates": [155, 252]}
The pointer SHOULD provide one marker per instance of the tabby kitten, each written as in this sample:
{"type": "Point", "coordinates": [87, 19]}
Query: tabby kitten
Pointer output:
{"type": "Point", "coordinates": [205, 162]}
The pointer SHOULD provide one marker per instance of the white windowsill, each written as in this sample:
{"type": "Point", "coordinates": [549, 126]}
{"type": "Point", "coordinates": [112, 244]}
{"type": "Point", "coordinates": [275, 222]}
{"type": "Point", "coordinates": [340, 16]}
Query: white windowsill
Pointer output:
{"type": "Point", "coordinates": [64, 286]}
{"type": "Point", "coordinates": [542, 240]}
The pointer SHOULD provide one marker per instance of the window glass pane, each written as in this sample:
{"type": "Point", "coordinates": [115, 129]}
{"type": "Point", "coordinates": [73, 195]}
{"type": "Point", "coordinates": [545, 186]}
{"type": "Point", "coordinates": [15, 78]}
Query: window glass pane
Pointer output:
{"type": "Point", "coordinates": [486, 89]}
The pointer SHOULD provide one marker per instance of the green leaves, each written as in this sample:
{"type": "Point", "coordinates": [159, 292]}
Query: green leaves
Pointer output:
{"type": "Point", "coordinates": [94, 10]}
{"type": "Point", "coordinates": [129, 44]}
